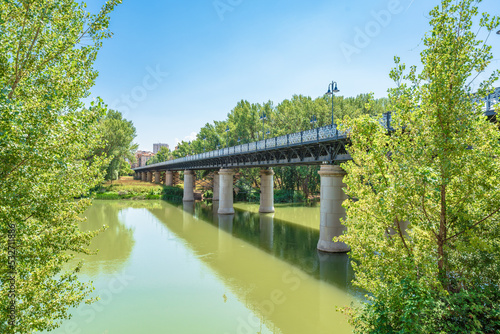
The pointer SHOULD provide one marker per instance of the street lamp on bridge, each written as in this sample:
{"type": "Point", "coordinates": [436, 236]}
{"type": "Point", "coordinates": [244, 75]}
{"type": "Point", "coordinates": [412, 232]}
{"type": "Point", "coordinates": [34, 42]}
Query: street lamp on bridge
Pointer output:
{"type": "Point", "coordinates": [227, 136]}
{"type": "Point", "coordinates": [313, 121]}
{"type": "Point", "coordinates": [332, 88]}
{"type": "Point", "coordinates": [263, 118]}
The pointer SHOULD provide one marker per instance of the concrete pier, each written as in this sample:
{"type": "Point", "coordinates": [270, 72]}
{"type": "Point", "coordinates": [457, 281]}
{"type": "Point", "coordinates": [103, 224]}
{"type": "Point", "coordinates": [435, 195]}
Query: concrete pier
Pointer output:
{"type": "Point", "coordinates": [216, 186]}
{"type": "Point", "coordinates": [169, 178]}
{"type": "Point", "coordinates": [188, 186]}
{"type": "Point", "coordinates": [149, 177]}
{"type": "Point", "coordinates": [157, 177]}
{"type": "Point", "coordinates": [226, 192]}
{"type": "Point", "coordinates": [331, 199]}
{"type": "Point", "coordinates": [266, 191]}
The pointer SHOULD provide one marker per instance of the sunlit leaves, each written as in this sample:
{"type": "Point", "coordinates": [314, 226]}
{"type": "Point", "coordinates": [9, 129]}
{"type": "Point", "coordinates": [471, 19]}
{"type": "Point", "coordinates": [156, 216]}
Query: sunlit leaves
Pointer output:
{"type": "Point", "coordinates": [439, 174]}
{"type": "Point", "coordinates": [46, 137]}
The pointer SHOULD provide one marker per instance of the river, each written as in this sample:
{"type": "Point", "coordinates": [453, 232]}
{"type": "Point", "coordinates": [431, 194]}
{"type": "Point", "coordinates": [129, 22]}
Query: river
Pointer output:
{"type": "Point", "coordinates": [181, 268]}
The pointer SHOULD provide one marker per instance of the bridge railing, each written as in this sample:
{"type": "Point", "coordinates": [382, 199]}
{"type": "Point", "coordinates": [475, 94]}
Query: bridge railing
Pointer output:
{"type": "Point", "coordinates": [328, 132]}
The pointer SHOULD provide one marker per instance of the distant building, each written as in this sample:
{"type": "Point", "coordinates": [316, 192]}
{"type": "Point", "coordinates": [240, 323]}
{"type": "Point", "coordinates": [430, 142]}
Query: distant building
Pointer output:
{"type": "Point", "coordinates": [156, 147]}
{"type": "Point", "coordinates": [142, 157]}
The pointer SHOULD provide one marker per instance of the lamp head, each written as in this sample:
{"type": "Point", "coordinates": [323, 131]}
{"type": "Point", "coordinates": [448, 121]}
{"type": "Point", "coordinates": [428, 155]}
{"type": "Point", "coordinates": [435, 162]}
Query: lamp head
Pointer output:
{"type": "Point", "coordinates": [335, 90]}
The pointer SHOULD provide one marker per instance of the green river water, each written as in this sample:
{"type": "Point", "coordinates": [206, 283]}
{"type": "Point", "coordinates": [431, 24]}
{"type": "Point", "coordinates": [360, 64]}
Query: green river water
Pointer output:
{"type": "Point", "coordinates": [181, 268]}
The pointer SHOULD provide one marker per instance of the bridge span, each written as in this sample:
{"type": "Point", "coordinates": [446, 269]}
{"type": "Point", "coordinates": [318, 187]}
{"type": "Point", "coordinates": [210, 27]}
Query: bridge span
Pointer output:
{"type": "Point", "coordinates": [325, 146]}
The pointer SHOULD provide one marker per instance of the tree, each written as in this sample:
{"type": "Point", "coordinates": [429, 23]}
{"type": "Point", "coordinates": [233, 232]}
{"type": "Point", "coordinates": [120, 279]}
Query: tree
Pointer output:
{"type": "Point", "coordinates": [423, 214]}
{"type": "Point", "coordinates": [118, 134]}
{"type": "Point", "coordinates": [46, 135]}
{"type": "Point", "coordinates": [162, 155]}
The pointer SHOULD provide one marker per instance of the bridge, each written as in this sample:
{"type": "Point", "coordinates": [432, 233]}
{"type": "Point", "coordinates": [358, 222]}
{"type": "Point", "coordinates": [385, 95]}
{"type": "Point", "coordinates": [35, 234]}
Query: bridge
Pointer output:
{"type": "Point", "coordinates": [325, 146]}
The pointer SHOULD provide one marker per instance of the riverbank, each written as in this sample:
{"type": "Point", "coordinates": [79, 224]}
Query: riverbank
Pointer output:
{"type": "Point", "coordinates": [126, 188]}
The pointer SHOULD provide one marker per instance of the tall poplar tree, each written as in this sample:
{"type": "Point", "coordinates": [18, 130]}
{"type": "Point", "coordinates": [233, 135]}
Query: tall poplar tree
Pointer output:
{"type": "Point", "coordinates": [423, 221]}
{"type": "Point", "coordinates": [47, 50]}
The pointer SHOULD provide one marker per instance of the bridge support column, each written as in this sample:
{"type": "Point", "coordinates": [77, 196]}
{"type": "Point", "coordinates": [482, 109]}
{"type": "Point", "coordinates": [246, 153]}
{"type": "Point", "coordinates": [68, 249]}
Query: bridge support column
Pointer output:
{"type": "Point", "coordinates": [216, 187]}
{"type": "Point", "coordinates": [149, 177]}
{"type": "Point", "coordinates": [331, 199]}
{"type": "Point", "coordinates": [157, 177]}
{"type": "Point", "coordinates": [143, 176]}
{"type": "Point", "coordinates": [226, 192]}
{"type": "Point", "coordinates": [266, 191]}
{"type": "Point", "coordinates": [169, 178]}
{"type": "Point", "coordinates": [188, 186]}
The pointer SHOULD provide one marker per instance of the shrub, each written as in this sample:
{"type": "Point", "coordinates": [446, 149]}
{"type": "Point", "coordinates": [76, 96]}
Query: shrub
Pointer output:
{"type": "Point", "coordinates": [288, 196]}
{"type": "Point", "coordinates": [107, 196]}
{"type": "Point", "coordinates": [172, 193]}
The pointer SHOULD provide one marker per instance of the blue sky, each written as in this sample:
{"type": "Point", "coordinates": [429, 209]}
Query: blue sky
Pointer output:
{"type": "Point", "coordinates": [173, 66]}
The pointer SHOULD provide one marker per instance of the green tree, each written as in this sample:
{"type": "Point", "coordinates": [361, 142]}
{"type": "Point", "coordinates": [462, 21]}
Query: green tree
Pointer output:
{"type": "Point", "coordinates": [46, 135]}
{"type": "Point", "coordinates": [424, 228]}
{"type": "Point", "coordinates": [118, 134]}
{"type": "Point", "coordinates": [162, 155]}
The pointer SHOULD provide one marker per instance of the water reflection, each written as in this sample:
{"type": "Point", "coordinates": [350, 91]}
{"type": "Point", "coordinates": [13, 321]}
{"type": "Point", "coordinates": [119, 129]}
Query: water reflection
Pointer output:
{"type": "Point", "coordinates": [292, 243]}
{"type": "Point", "coordinates": [114, 245]}
{"type": "Point", "coordinates": [266, 226]}
{"type": "Point", "coordinates": [293, 291]}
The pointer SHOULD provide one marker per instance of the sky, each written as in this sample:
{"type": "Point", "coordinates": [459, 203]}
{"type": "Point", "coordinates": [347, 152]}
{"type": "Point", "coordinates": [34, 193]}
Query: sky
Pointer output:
{"type": "Point", "coordinates": [173, 66]}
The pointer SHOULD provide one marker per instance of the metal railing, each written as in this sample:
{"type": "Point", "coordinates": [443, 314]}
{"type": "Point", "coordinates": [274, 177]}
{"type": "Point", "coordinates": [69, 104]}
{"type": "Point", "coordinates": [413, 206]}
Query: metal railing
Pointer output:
{"type": "Point", "coordinates": [299, 138]}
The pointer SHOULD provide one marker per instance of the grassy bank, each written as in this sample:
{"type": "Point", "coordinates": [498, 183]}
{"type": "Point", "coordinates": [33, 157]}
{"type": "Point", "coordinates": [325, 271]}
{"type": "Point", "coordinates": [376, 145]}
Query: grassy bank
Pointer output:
{"type": "Point", "coordinates": [130, 189]}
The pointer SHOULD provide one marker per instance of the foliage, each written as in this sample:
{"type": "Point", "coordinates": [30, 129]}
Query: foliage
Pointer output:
{"type": "Point", "coordinates": [123, 189]}
{"type": "Point", "coordinates": [288, 196]}
{"type": "Point", "coordinates": [245, 190]}
{"type": "Point", "coordinates": [163, 154]}
{"type": "Point", "coordinates": [118, 134]}
{"type": "Point", "coordinates": [46, 135]}
{"type": "Point", "coordinates": [172, 193]}
{"type": "Point", "coordinates": [424, 230]}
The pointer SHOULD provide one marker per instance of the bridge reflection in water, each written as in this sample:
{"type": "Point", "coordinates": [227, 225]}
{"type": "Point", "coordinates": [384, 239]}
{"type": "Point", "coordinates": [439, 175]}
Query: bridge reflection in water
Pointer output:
{"type": "Point", "coordinates": [295, 294]}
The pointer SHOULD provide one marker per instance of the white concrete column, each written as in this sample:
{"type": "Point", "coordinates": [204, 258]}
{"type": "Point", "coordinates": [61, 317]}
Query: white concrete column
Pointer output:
{"type": "Point", "coordinates": [266, 191]}
{"type": "Point", "coordinates": [216, 187]}
{"type": "Point", "coordinates": [226, 192]}
{"type": "Point", "coordinates": [157, 176]}
{"type": "Point", "coordinates": [149, 177]}
{"type": "Point", "coordinates": [169, 178]}
{"type": "Point", "coordinates": [331, 199]}
{"type": "Point", "coordinates": [188, 186]}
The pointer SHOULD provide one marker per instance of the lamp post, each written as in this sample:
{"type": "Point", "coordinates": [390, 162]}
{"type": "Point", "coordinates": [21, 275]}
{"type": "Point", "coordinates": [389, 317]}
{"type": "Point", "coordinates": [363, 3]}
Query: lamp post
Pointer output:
{"type": "Point", "coordinates": [204, 144]}
{"type": "Point", "coordinates": [263, 119]}
{"type": "Point", "coordinates": [313, 121]}
{"type": "Point", "coordinates": [227, 136]}
{"type": "Point", "coordinates": [498, 32]}
{"type": "Point", "coordinates": [332, 88]}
